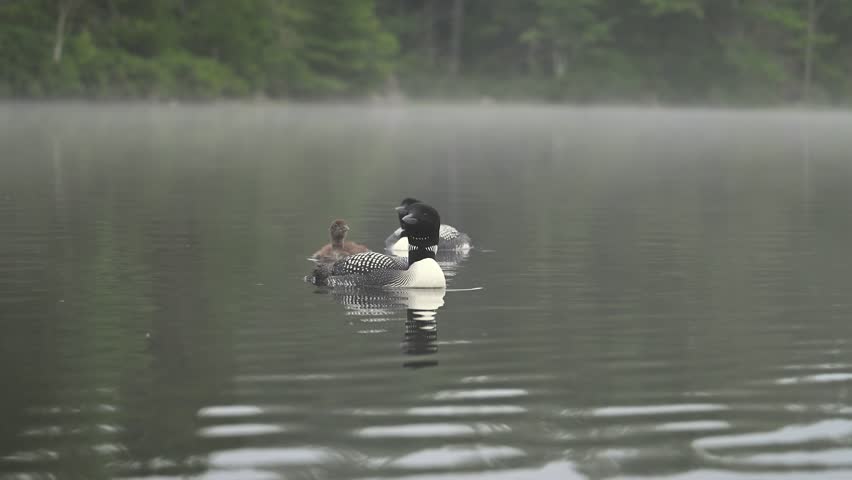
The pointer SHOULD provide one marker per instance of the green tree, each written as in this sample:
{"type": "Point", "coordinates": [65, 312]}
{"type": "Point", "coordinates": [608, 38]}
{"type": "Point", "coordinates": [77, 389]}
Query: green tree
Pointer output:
{"type": "Point", "coordinates": [346, 46]}
{"type": "Point", "coordinates": [751, 51]}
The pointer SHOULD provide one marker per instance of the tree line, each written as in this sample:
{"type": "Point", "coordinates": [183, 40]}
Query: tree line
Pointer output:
{"type": "Point", "coordinates": [668, 51]}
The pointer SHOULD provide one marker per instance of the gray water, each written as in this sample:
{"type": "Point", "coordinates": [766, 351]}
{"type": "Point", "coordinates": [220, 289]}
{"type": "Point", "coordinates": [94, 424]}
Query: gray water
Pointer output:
{"type": "Point", "coordinates": [664, 294]}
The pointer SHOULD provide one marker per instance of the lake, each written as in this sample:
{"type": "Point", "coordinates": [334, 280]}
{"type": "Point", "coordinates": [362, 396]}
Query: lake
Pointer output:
{"type": "Point", "coordinates": [651, 294]}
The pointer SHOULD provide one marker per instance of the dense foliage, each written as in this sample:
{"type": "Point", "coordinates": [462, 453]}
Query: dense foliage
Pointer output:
{"type": "Point", "coordinates": [709, 51]}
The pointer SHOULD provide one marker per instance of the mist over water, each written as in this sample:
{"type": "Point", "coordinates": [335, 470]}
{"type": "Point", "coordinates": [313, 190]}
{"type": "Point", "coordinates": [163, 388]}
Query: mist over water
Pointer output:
{"type": "Point", "coordinates": [665, 293]}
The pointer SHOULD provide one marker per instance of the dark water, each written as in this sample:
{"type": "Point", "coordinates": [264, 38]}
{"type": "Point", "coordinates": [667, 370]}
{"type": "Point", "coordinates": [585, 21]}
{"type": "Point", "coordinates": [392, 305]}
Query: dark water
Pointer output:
{"type": "Point", "coordinates": [666, 294]}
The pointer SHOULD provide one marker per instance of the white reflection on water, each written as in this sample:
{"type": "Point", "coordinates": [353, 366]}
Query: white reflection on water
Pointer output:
{"type": "Point", "coordinates": [284, 377]}
{"type": "Point", "coordinates": [818, 378]}
{"type": "Point", "coordinates": [244, 474]}
{"type": "Point", "coordinates": [708, 474]}
{"type": "Point", "coordinates": [230, 411]}
{"type": "Point", "coordinates": [431, 430]}
{"type": "Point", "coordinates": [68, 410]}
{"type": "Point", "coordinates": [656, 409]}
{"type": "Point", "coordinates": [560, 470]}
{"type": "Point", "coordinates": [837, 457]}
{"type": "Point", "coordinates": [831, 430]}
{"type": "Point", "coordinates": [28, 476]}
{"type": "Point", "coordinates": [811, 439]}
{"type": "Point", "coordinates": [436, 410]}
{"type": "Point", "coordinates": [464, 410]}
{"type": "Point", "coordinates": [40, 455]}
{"type": "Point", "coordinates": [241, 474]}
{"type": "Point", "coordinates": [424, 430]}
{"type": "Point", "coordinates": [63, 431]}
{"type": "Point", "coordinates": [457, 456]}
{"type": "Point", "coordinates": [240, 430]}
{"type": "Point", "coordinates": [819, 366]}
{"type": "Point", "coordinates": [271, 456]}
{"type": "Point", "coordinates": [696, 426]}
{"type": "Point", "coordinates": [480, 393]}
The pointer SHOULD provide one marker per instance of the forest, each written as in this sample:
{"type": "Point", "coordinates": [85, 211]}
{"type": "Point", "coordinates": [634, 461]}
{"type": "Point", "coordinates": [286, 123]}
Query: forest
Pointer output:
{"type": "Point", "coordinates": [701, 52]}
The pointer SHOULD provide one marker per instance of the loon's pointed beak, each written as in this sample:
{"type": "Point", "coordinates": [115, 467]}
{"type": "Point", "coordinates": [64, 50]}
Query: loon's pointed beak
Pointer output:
{"type": "Point", "coordinates": [400, 209]}
{"type": "Point", "coordinates": [410, 219]}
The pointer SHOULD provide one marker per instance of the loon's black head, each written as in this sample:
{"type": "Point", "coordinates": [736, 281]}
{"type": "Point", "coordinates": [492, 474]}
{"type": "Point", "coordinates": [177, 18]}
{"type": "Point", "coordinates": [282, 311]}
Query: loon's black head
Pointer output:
{"type": "Point", "coordinates": [422, 225]}
{"type": "Point", "coordinates": [402, 209]}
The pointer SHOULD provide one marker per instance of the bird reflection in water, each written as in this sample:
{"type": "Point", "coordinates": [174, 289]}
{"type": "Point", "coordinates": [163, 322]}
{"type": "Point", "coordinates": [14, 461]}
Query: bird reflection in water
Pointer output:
{"type": "Point", "coordinates": [420, 305]}
{"type": "Point", "coordinates": [421, 327]}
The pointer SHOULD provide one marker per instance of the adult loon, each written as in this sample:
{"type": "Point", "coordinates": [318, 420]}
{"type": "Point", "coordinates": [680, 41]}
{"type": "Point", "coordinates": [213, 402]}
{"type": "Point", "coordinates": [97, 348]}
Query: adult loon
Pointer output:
{"type": "Point", "coordinates": [421, 224]}
{"type": "Point", "coordinates": [449, 237]}
{"type": "Point", "coordinates": [339, 247]}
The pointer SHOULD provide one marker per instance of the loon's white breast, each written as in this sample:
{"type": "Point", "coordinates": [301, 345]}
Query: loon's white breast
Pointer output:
{"type": "Point", "coordinates": [401, 245]}
{"type": "Point", "coordinates": [426, 273]}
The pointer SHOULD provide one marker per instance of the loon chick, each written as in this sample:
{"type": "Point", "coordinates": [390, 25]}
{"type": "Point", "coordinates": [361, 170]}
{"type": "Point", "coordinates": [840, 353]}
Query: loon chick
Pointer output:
{"type": "Point", "coordinates": [421, 224]}
{"type": "Point", "coordinates": [339, 247]}
{"type": "Point", "coordinates": [449, 237]}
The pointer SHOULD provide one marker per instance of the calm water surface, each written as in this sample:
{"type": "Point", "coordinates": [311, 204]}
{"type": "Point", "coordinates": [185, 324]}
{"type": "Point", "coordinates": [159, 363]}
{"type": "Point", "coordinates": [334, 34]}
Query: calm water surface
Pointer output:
{"type": "Point", "coordinates": [665, 294]}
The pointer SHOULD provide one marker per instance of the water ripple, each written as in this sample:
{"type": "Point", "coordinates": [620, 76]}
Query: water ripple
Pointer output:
{"type": "Point", "coordinates": [284, 378]}
{"type": "Point", "coordinates": [833, 458]}
{"type": "Point", "coordinates": [230, 411]}
{"type": "Point", "coordinates": [274, 457]}
{"type": "Point", "coordinates": [831, 430]}
{"type": "Point", "coordinates": [561, 470]}
{"type": "Point", "coordinates": [425, 430]}
{"type": "Point", "coordinates": [465, 410]}
{"type": "Point", "coordinates": [28, 476]}
{"type": "Point", "coordinates": [33, 456]}
{"type": "Point", "coordinates": [456, 456]}
{"type": "Point", "coordinates": [236, 411]}
{"type": "Point", "coordinates": [240, 430]}
{"type": "Point", "coordinates": [642, 410]}
{"type": "Point", "coordinates": [64, 431]}
{"type": "Point", "coordinates": [708, 474]}
{"type": "Point", "coordinates": [817, 378]}
{"type": "Point", "coordinates": [480, 394]}
{"type": "Point", "coordinates": [696, 426]}
{"type": "Point", "coordinates": [430, 430]}
{"type": "Point", "coordinates": [241, 474]}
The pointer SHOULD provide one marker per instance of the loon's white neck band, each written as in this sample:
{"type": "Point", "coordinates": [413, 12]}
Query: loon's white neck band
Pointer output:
{"type": "Point", "coordinates": [416, 252]}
